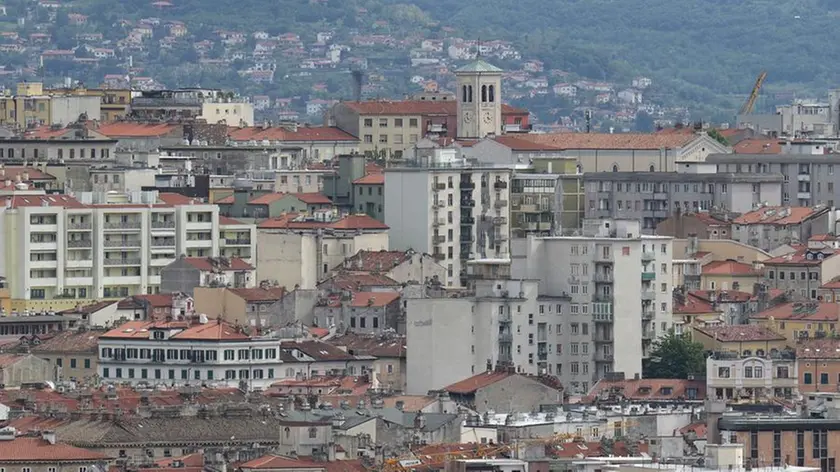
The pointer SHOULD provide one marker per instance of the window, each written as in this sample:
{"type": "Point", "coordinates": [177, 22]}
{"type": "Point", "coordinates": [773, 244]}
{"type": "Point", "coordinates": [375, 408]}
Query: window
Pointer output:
{"type": "Point", "coordinates": [412, 122]}
{"type": "Point", "coordinates": [808, 379]}
{"type": "Point", "coordinates": [313, 433]}
{"type": "Point", "coordinates": [723, 372]}
{"type": "Point", "coordinates": [368, 122]}
{"type": "Point", "coordinates": [383, 122]}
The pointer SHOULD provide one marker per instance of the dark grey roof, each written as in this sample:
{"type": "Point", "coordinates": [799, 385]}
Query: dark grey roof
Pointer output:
{"type": "Point", "coordinates": [35, 319]}
{"type": "Point", "coordinates": [778, 423]}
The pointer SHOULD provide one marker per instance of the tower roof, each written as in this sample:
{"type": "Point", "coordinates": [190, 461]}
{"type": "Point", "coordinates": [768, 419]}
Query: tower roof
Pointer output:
{"type": "Point", "coordinates": [479, 65]}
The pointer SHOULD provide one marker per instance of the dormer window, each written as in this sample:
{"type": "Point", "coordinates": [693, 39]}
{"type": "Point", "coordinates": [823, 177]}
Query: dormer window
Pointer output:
{"type": "Point", "coordinates": [158, 334]}
{"type": "Point", "coordinates": [667, 390]}
{"type": "Point", "coordinates": [644, 390]}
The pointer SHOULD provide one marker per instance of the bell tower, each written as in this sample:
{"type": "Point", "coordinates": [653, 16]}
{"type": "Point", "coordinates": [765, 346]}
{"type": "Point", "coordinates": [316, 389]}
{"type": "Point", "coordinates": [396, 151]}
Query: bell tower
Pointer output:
{"type": "Point", "coordinates": [479, 100]}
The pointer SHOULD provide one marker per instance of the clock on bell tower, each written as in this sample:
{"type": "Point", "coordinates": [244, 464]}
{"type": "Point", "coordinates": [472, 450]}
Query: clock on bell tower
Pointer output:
{"type": "Point", "coordinates": [479, 100]}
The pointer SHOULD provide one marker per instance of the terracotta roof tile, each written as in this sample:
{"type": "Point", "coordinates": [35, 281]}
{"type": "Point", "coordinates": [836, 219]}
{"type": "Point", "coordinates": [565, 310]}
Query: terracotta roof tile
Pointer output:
{"type": "Point", "coordinates": [225, 201]}
{"type": "Point", "coordinates": [7, 360]}
{"type": "Point", "coordinates": [217, 330]}
{"type": "Point", "coordinates": [209, 264]}
{"type": "Point", "coordinates": [691, 304]}
{"type": "Point", "coordinates": [318, 350]}
{"type": "Point", "coordinates": [803, 256]}
{"type": "Point", "coordinates": [575, 449]}
{"type": "Point", "coordinates": [729, 268]}
{"type": "Point", "coordinates": [171, 198]}
{"type": "Point", "coordinates": [777, 215]}
{"type": "Point", "coordinates": [371, 179]}
{"type": "Point", "coordinates": [610, 141]}
{"type": "Point", "coordinates": [518, 144]}
{"type": "Point", "coordinates": [266, 199]}
{"type": "Point", "coordinates": [294, 221]}
{"type": "Point", "coordinates": [25, 450]}
{"type": "Point", "coordinates": [374, 345]}
{"type": "Point", "coordinates": [722, 296]}
{"type": "Point", "coordinates": [69, 341]}
{"type": "Point", "coordinates": [650, 389]}
{"type": "Point", "coordinates": [303, 133]}
{"type": "Point", "coordinates": [63, 201]}
{"type": "Point", "coordinates": [818, 348]}
{"type": "Point", "coordinates": [358, 280]}
{"type": "Point", "coordinates": [736, 333]}
{"type": "Point", "coordinates": [226, 220]}
{"type": "Point", "coordinates": [157, 300]}
{"type": "Point", "coordinates": [476, 382]}
{"type": "Point", "coordinates": [698, 429]}
{"type": "Point", "coordinates": [313, 198]}
{"type": "Point", "coordinates": [832, 284]}
{"type": "Point", "coordinates": [810, 311]}
{"type": "Point", "coordinates": [12, 172]}
{"type": "Point", "coordinates": [373, 299]}
{"type": "Point", "coordinates": [135, 130]}
{"type": "Point", "coordinates": [758, 146]}
{"type": "Point", "coordinates": [258, 294]}
{"type": "Point", "coordinates": [823, 237]}
{"type": "Point", "coordinates": [369, 261]}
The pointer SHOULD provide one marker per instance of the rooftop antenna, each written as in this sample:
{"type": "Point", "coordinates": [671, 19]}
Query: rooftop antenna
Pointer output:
{"type": "Point", "coordinates": [478, 54]}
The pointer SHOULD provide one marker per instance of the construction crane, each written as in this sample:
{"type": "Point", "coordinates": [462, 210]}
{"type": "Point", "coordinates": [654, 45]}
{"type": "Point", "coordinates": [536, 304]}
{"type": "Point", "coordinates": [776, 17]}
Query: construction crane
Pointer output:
{"type": "Point", "coordinates": [748, 106]}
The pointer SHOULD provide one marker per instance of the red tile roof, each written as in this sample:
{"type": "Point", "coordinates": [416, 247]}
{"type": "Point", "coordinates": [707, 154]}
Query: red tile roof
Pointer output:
{"type": "Point", "coordinates": [303, 133]}
{"type": "Point", "coordinates": [258, 294]}
{"type": "Point", "coordinates": [266, 199]}
{"type": "Point", "coordinates": [823, 237]}
{"type": "Point", "coordinates": [12, 172]}
{"type": "Point", "coordinates": [171, 198]}
{"type": "Point", "coordinates": [734, 268]}
{"type": "Point", "coordinates": [312, 198]}
{"type": "Point", "coordinates": [698, 429]}
{"type": "Point", "coordinates": [296, 221]}
{"type": "Point", "coordinates": [226, 200]}
{"type": "Point", "coordinates": [708, 219]}
{"type": "Point", "coordinates": [318, 350]}
{"type": "Point", "coordinates": [652, 141]}
{"type": "Point", "coordinates": [371, 179]}
{"type": "Point", "coordinates": [373, 299]}
{"type": "Point", "coordinates": [723, 296]}
{"type": "Point", "coordinates": [126, 129]}
{"type": "Point", "coordinates": [374, 345]}
{"type": "Point", "coordinates": [279, 462]}
{"type": "Point", "coordinates": [803, 256]}
{"type": "Point", "coordinates": [369, 261]}
{"type": "Point", "coordinates": [740, 333]}
{"type": "Point", "coordinates": [63, 201]}
{"type": "Point", "coordinates": [357, 280]}
{"type": "Point", "coordinates": [818, 348]}
{"type": "Point", "coordinates": [226, 220]}
{"type": "Point", "coordinates": [832, 284]}
{"type": "Point", "coordinates": [25, 450]}
{"type": "Point", "coordinates": [216, 330]}
{"type": "Point", "coordinates": [758, 146]}
{"type": "Point", "coordinates": [157, 300]}
{"type": "Point", "coordinates": [414, 107]}
{"type": "Point", "coordinates": [7, 360]}
{"type": "Point", "coordinates": [69, 341]}
{"type": "Point", "coordinates": [692, 305]}
{"type": "Point", "coordinates": [476, 382]}
{"type": "Point", "coordinates": [810, 311]}
{"type": "Point", "coordinates": [46, 132]}
{"type": "Point", "coordinates": [575, 449]}
{"type": "Point", "coordinates": [518, 144]}
{"type": "Point", "coordinates": [777, 215]}
{"type": "Point", "coordinates": [209, 264]}
{"type": "Point", "coordinates": [649, 389]}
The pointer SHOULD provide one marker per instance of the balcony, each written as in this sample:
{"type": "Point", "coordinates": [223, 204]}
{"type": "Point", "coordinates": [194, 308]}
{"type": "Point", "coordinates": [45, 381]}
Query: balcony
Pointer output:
{"type": "Point", "coordinates": [601, 357]}
{"type": "Point", "coordinates": [648, 334]}
{"type": "Point", "coordinates": [438, 256]}
{"type": "Point", "coordinates": [80, 243]}
{"type": "Point", "coordinates": [78, 226]}
{"type": "Point", "coordinates": [500, 203]}
{"type": "Point", "coordinates": [647, 314]}
{"type": "Point", "coordinates": [504, 318]}
{"type": "Point", "coordinates": [438, 187]}
{"type": "Point", "coordinates": [803, 177]}
{"type": "Point", "coordinates": [602, 338]}
{"type": "Point", "coordinates": [648, 295]}
{"type": "Point", "coordinates": [120, 243]}
{"type": "Point", "coordinates": [603, 277]}
{"type": "Point", "coordinates": [648, 276]}
{"type": "Point", "coordinates": [602, 298]}
{"type": "Point", "coordinates": [237, 242]}
{"type": "Point", "coordinates": [542, 355]}
{"type": "Point", "coordinates": [467, 220]}
{"type": "Point", "coordinates": [648, 256]}
{"type": "Point", "coordinates": [78, 263]}
{"type": "Point", "coordinates": [604, 257]}
{"type": "Point", "coordinates": [468, 203]}
{"type": "Point", "coordinates": [122, 225]}
{"type": "Point", "coordinates": [163, 225]}
{"type": "Point", "coordinates": [505, 337]}
{"type": "Point", "coordinates": [438, 239]}
{"type": "Point", "coordinates": [78, 281]}
{"type": "Point", "coordinates": [163, 243]}
{"type": "Point", "coordinates": [467, 185]}
{"type": "Point", "coordinates": [439, 204]}
{"type": "Point", "coordinates": [500, 185]}
{"type": "Point", "coordinates": [467, 238]}
{"type": "Point", "coordinates": [499, 220]}
{"type": "Point", "coordinates": [120, 262]}
{"type": "Point", "coordinates": [803, 195]}
{"type": "Point", "coordinates": [545, 226]}
{"type": "Point", "coordinates": [438, 222]}
{"type": "Point", "coordinates": [602, 317]}
{"type": "Point", "coordinates": [527, 208]}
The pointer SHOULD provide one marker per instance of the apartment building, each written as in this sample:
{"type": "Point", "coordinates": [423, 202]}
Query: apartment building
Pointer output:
{"type": "Point", "coordinates": [611, 264]}
{"type": "Point", "coordinates": [73, 150]}
{"type": "Point", "coordinates": [33, 106]}
{"type": "Point", "coordinates": [800, 320]}
{"type": "Point", "coordinates": [547, 198]}
{"type": "Point", "coordinates": [451, 210]}
{"type": "Point", "coordinates": [809, 179]}
{"type": "Point", "coordinates": [803, 272]}
{"type": "Point", "coordinates": [818, 364]}
{"type": "Point", "coordinates": [769, 227]}
{"type": "Point", "coordinates": [653, 197]}
{"type": "Point", "coordinates": [100, 246]}
{"type": "Point", "coordinates": [298, 250]}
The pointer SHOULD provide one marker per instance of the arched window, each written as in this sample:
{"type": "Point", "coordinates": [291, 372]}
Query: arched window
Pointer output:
{"type": "Point", "coordinates": [759, 352]}
{"type": "Point", "coordinates": [290, 372]}
{"type": "Point", "coordinates": [483, 93]}
{"type": "Point", "coordinates": [652, 168]}
{"type": "Point", "coordinates": [287, 431]}
{"type": "Point", "coordinates": [470, 96]}
{"type": "Point", "coordinates": [11, 153]}
{"type": "Point", "coordinates": [491, 92]}
{"type": "Point", "coordinates": [313, 433]}
{"type": "Point", "coordinates": [579, 168]}
{"type": "Point", "coordinates": [464, 94]}
{"type": "Point", "coordinates": [747, 352]}
{"type": "Point", "coordinates": [615, 167]}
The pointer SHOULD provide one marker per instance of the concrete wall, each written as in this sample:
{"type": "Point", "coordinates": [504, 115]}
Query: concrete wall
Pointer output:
{"type": "Point", "coordinates": [28, 369]}
{"type": "Point", "coordinates": [220, 302]}
{"type": "Point", "coordinates": [66, 110]}
{"type": "Point", "coordinates": [515, 393]}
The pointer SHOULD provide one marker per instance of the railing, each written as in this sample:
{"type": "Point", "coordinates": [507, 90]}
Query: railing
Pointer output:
{"type": "Point", "coordinates": [500, 203]}
{"type": "Point", "coordinates": [467, 220]}
{"type": "Point", "coordinates": [603, 277]}
{"type": "Point", "coordinates": [601, 357]}
{"type": "Point", "coordinates": [80, 243]}
{"type": "Point", "coordinates": [238, 241]}
{"type": "Point", "coordinates": [128, 261]}
{"type": "Point", "coordinates": [499, 220]}
{"type": "Point", "coordinates": [468, 203]}
{"type": "Point", "coordinates": [82, 225]}
{"type": "Point", "coordinates": [648, 334]}
{"type": "Point", "coordinates": [505, 337]}
{"type": "Point", "coordinates": [109, 243]}
{"type": "Point", "coordinates": [436, 128]}
{"type": "Point", "coordinates": [436, 187]}
{"type": "Point", "coordinates": [601, 256]}
{"type": "Point", "coordinates": [123, 225]}
{"type": "Point", "coordinates": [163, 243]}
{"type": "Point", "coordinates": [500, 185]}
{"type": "Point", "coordinates": [602, 317]}
{"type": "Point", "coordinates": [647, 314]}
{"type": "Point", "coordinates": [648, 275]}
{"type": "Point", "coordinates": [467, 238]}
{"type": "Point", "coordinates": [163, 224]}
{"type": "Point", "coordinates": [648, 256]}
{"type": "Point", "coordinates": [439, 239]}
{"type": "Point", "coordinates": [438, 222]}
{"type": "Point", "coordinates": [439, 256]}
{"type": "Point", "coordinates": [602, 298]}
{"type": "Point", "coordinates": [648, 295]}
{"type": "Point", "coordinates": [439, 204]}
{"type": "Point", "coordinates": [504, 318]}
{"type": "Point", "coordinates": [467, 185]}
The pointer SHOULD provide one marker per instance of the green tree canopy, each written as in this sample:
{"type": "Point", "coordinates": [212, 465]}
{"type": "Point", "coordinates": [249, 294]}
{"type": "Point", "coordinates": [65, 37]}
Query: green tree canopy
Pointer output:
{"type": "Point", "coordinates": [675, 357]}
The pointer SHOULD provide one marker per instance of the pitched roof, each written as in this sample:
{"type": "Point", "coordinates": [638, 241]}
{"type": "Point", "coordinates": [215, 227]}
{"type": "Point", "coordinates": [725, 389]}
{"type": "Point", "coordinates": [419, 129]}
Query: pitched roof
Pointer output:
{"type": "Point", "coordinates": [803, 256]}
{"type": "Point", "coordinates": [217, 330]}
{"type": "Point", "coordinates": [518, 144]}
{"type": "Point", "coordinates": [272, 462]}
{"type": "Point", "coordinates": [156, 300]}
{"type": "Point", "coordinates": [54, 200]}
{"type": "Point", "coordinates": [172, 198]}
{"type": "Point", "coordinates": [295, 221]}
{"type": "Point", "coordinates": [373, 299]}
{"type": "Point", "coordinates": [212, 263]}
{"type": "Point", "coordinates": [125, 129]}
{"type": "Point", "coordinates": [26, 450]}
{"type": "Point", "coordinates": [476, 382]}
{"type": "Point", "coordinates": [34, 174]}
{"type": "Point", "coordinates": [265, 199]}
{"type": "Point", "coordinates": [374, 345]}
{"type": "Point", "coordinates": [758, 146]}
{"type": "Point", "coordinates": [382, 261]}
{"type": "Point", "coordinates": [318, 350]}
{"type": "Point", "coordinates": [611, 141]}
{"type": "Point", "coordinates": [313, 198]}
{"type": "Point", "coordinates": [357, 280]}
{"type": "Point", "coordinates": [650, 389]}
{"type": "Point", "coordinates": [303, 133]}
{"type": "Point", "coordinates": [7, 360]}
{"type": "Point", "coordinates": [412, 107]}
{"type": "Point", "coordinates": [479, 65]}
{"type": "Point", "coordinates": [729, 268]}
{"type": "Point", "coordinates": [796, 311]}
{"type": "Point", "coordinates": [777, 215]}
{"type": "Point", "coordinates": [69, 341]}
{"type": "Point", "coordinates": [691, 304]}
{"type": "Point", "coordinates": [377, 178]}
{"type": "Point", "coordinates": [576, 449]}
{"type": "Point", "coordinates": [818, 348]}
{"type": "Point", "coordinates": [832, 284]}
{"type": "Point", "coordinates": [226, 220]}
{"type": "Point", "coordinates": [740, 333]}
{"type": "Point", "coordinates": [257, 294]}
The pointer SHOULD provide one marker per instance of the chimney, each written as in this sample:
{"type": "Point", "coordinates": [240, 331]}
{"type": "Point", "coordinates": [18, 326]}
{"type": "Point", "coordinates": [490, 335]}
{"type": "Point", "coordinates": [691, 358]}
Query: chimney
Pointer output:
{"type": "Point", "coordinates": [48, 436]}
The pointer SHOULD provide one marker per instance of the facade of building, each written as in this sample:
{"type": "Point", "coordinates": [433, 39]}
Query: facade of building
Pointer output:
{"type": "Point", "coordinates": [186, 273]}
{"type": "Point", "coordinates": [33, 106]}
{"type": "Point", "coordinates": [246, 306]}
{"type": "Point", "coordinates": [44, 454]}
{"type": "Point", "coordinates": [818, 365]}
{"type": "Point", "coordinates": [230, 113]}
{"type": "Point", "coordinates": [800, 320]}
{"type": "Point", "coordinates": [803, 272]}
{"type": "Point", "coordinates": [369, 196]}
{"type": "Point", "coordinates": [653, 197]}
{"type": "Point", "coordinates": [17, 370]}
{"type": "Point", "coordinates": [455, 214]}
{"type": "Point", "coordinates": [73, 353]}
{"type": "Point", "coordinates": [771, 226]}
{"type": "Point", "coordinates": [93, 248]}
{"type": "Point", "coordinates": [700, 225]}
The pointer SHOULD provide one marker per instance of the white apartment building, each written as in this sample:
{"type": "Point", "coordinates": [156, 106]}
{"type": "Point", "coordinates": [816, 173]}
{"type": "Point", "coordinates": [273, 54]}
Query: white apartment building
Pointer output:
{"type": "Point", "coordinates": [455, 338]}
{"type": "Point", "coordinates": [450, 210]}
{"type": "Point", "coordinates": [105, 245]}
{"type": "Point", "coordinates": [617, 282]}
{"type": "Point", "coordinates": [214, 352]}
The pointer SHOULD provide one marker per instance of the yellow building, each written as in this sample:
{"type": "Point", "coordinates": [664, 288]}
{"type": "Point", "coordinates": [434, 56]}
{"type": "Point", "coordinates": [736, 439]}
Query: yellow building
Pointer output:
{"type": "Point", "coordinates": [746, 340]}
{"type": "Point", "coordinates": [33, 106]}
{"type": "Point", "coordinates": [800, 320]}
{"type": "Point", "coordinates": [729, 275]}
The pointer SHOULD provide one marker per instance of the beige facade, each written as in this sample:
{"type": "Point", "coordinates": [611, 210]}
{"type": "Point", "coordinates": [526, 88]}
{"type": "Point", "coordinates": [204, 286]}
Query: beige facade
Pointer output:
{"type": "Point", "coordinates": [231, 113]}
{"type": "Point", "coordinates": [721, 250]}
{"type": "Point", "coordinates": [221, 303]}
{"type": "Point", "coordinates": [21, 369]}
{"type": "Point", "coordinates": [72, 353]}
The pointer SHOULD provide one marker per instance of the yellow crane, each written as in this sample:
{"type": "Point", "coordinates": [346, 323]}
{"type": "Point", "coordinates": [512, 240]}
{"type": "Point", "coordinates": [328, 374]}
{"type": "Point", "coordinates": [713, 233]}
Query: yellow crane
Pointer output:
{"type": "Point", "coordinates": [748, 106]}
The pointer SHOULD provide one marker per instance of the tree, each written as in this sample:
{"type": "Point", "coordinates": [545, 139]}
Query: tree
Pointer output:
{"type": "Point", "coordinates": [715, 134]}
{"type": "Point", "coordinates": [675, 357]}
{"type": "Point", "coordinates": [644, 122]}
